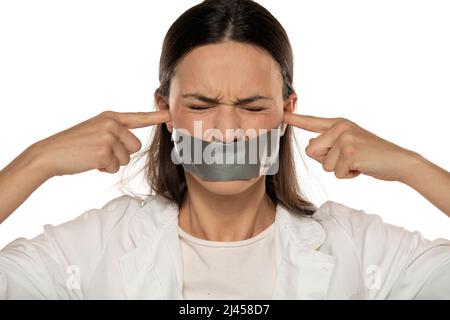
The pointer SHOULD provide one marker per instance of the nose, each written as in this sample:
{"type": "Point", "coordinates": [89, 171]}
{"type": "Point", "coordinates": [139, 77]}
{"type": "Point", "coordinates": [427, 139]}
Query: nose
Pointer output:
{"type": "Point", "coordinates": [229, 125]}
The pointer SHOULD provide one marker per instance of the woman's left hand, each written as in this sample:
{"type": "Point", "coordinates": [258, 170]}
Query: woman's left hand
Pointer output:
{"type": "Point", "coordinates": [348, 150]}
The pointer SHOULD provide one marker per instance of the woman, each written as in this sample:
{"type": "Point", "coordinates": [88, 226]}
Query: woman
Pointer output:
{"type": "Point", "coordinates": [216, 232]}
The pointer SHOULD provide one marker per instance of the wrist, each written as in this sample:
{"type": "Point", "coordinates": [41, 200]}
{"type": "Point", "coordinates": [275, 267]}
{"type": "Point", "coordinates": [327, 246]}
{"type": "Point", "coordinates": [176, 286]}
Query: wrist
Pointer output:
{"type": "Point", "coordinates": [413, 168]}
{"type": "Point", "coordinates": [35, 163]}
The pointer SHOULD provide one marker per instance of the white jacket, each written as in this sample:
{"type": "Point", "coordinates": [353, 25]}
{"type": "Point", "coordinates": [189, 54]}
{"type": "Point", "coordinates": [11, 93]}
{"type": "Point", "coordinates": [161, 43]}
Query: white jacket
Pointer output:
{"type": "Point", "coordinates": [130, 249]}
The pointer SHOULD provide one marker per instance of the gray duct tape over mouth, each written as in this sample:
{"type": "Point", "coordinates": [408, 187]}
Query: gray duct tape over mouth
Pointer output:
{"type": "Point", "coordinates": [239, 160]}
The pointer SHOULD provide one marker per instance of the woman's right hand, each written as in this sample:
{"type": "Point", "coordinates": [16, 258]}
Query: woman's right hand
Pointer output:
{"type": "Point", "coordinates": [103, 142]}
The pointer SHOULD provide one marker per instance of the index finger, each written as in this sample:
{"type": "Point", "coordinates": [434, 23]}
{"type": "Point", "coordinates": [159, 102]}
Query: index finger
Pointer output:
{"type": "Point", "coordinates": [310, 123]}
{"type": "Point", "coordinates": [133, 120]}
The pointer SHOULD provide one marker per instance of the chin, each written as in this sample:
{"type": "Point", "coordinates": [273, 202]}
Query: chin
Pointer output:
{"type": "Point", "coordinates": [225, 188]}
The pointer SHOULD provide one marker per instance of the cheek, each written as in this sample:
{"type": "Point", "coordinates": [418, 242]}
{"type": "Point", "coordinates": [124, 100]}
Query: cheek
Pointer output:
{"type": "Point", "coordinates": [182, 118]}
{"type": "Point", "coordinates": [260, 120]}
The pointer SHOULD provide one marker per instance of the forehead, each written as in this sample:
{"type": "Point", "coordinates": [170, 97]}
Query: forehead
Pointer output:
{"type": "Point", "coordinates": [228, 69]}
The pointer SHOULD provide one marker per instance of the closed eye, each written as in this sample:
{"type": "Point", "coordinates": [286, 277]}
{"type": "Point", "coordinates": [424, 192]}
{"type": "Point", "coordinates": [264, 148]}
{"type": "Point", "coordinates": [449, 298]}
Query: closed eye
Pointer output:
{"type": "Point", "coordinates": [251, 109]}
{"type": "Point", "coordinates": [254, 109]}
{"type": "Point", "coordinates": [199, 107]}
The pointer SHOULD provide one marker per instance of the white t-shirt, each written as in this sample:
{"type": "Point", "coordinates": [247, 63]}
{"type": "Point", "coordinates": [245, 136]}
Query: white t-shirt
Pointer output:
{"type": "Point", "coordinates": [131, 250]}
{"type": "Point", "coordinates": [228, 270]}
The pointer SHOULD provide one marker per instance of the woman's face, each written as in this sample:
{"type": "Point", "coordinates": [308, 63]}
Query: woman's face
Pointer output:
{"type": "Point", "coordinates": [228, 72]}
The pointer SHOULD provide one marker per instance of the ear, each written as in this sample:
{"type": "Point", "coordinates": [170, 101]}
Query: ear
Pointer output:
{"type": "Point", "coordinates": [289, 106]}
{"type": "Point", "coordinates": [161, 105]}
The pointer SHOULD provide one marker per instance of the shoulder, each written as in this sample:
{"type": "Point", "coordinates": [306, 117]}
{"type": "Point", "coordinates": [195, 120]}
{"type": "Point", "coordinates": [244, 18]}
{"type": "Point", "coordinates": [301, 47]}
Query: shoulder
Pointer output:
{"type": "Point", "coordinates": [106, 232]}
{"type": "Point", "coordinates": [115, 216]}
{"type": "Point", "coordinates": [83, 240]}
{"type": "Point", "coordinates": [367, 232]}
{"type": "Point", "coordinates": [117, 220]}
{"type": "Point", "coordinates": [371, 236]}
{"type": "Point", "coordinates": [335, 210]}
{"type": "Point", "coordinates": [355, 222]}
{"type": "Point", "coordinates": [99, 221]}
{"type": "Point", "coordinates": [97, 234]}
{"type": "Point", "coordinates": [404, 260]}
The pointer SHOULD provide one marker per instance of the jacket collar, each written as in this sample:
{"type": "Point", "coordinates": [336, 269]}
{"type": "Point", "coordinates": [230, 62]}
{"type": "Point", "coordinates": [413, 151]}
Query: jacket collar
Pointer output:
{"type": "Point", "coordinates": [154, 269]}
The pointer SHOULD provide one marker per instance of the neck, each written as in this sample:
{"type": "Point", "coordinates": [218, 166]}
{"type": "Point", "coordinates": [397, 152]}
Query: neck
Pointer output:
{"type": "Point", "coordinates": [226, 217]}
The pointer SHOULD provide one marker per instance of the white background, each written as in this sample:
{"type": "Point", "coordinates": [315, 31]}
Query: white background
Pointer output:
{"type": "Point", "coordinates": [382, 64]}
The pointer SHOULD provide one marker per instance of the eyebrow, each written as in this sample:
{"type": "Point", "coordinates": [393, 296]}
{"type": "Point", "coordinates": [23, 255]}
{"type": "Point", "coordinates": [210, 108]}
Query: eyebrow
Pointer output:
{"type": "Point", "coordinates": [216, 100]}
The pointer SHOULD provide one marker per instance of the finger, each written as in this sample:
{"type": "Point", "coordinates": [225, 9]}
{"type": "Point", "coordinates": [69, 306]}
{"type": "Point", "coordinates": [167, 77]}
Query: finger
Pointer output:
{"type": "Point", "coordinates": [330, 161]}
{"type": "Point", "coordinates": [133, 120]}
{"type": "Point", "coordinates": [319, 159]}
{"type": "Point", "coordinates": [113, 166]}
{"type": "Point", "coordinates": [352, 174]}
{"type": "Point", "coordinates": [121, 153]}
{"type": "Point", "coordinates": [310, 123]}
{"type": "Point", "coordinates": [342, 167]}
{"type": "Point", "coordinates": [129, 140]}
{"type": "Point", "coordinates": [321, 145]}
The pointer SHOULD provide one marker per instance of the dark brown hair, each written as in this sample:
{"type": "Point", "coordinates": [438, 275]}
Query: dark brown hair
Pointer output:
{"type": "Point", "coordinates": [209, 22]}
